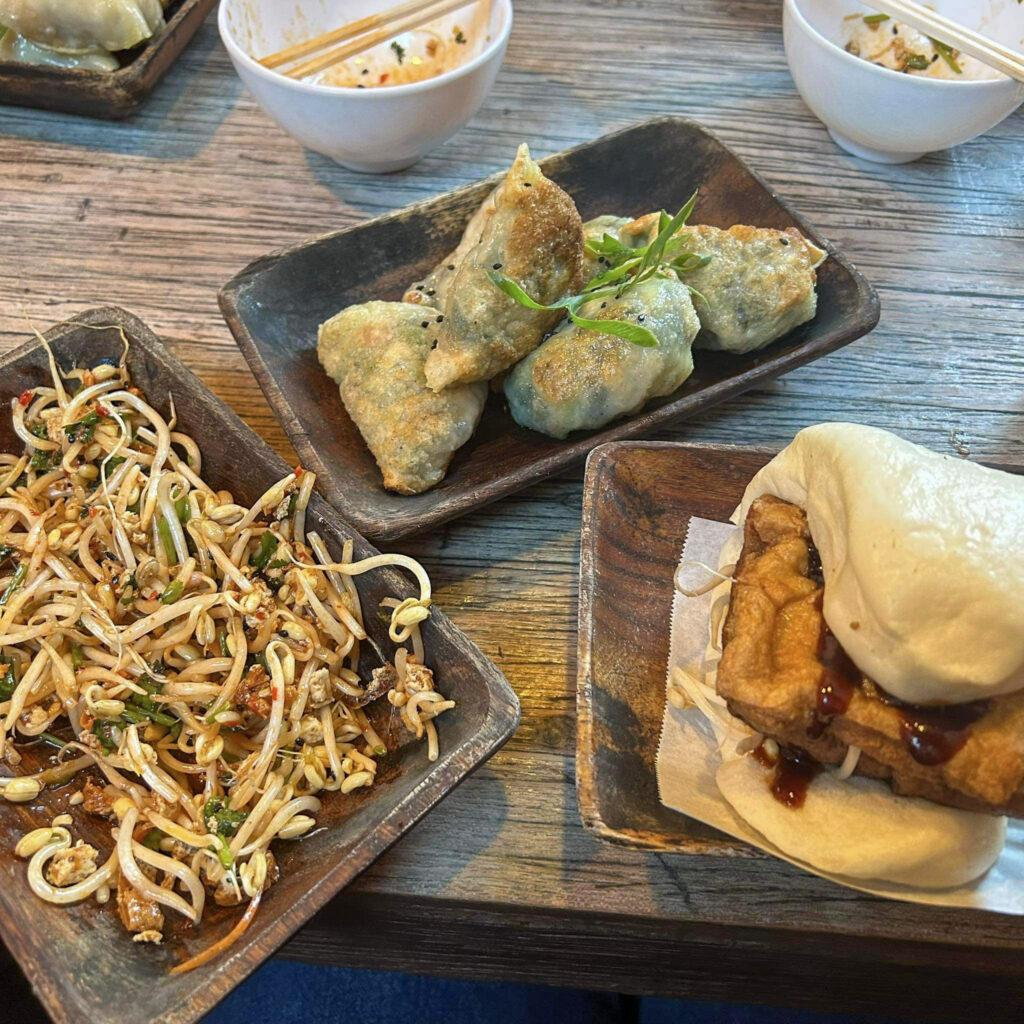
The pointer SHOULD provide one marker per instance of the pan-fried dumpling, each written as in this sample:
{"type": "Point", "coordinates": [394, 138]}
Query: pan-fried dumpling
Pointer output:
{"type": "Point", "coordinates": [375, 353]}
{"type": "Point", "coordinates": [20, 50]}
{"type": "Point", "coordinates": [759, 285]}
{"type": "Point", "coordinates": [581, 379]}
{"type": "Point", "coordinates": [69, 25]}
{"type": "Point", "coordinates": [530, 230]}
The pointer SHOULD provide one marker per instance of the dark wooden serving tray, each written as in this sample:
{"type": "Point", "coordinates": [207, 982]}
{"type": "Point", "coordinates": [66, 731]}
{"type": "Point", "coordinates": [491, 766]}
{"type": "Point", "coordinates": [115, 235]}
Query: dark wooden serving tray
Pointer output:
{"type": "Point", "coordinates": [638, 498]}
{"type": "Point", "coordinates": [275, 305]}
{"type": "Point", "coordinates": [105, 94]}
{"type": "Point", "coordinates": [82, 965]}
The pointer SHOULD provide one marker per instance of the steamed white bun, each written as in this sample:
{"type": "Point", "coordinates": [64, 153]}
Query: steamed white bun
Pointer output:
{"type": "Point", "coordinates": [923, 558]}
{"type": "Point", "coordinates": [859, 828]}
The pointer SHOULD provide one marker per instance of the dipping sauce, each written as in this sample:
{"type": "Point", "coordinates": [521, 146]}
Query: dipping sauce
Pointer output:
{"type": "Point", "coordinates": [410, 57]}
{"type": "Point", "coordinates": [887, 43]}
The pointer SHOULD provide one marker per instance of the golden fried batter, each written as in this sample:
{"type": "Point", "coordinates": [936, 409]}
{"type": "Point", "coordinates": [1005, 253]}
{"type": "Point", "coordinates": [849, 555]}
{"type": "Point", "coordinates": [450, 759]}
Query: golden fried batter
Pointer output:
{"type": "Point", "coordinates": [771, 673]}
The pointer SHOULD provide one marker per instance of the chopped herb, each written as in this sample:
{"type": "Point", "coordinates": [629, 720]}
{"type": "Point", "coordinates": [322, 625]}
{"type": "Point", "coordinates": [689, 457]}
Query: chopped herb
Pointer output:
{"type": "Point", "coordinates": [8, 681]}
{"type": "Point", "coordinates": [54, 741]}
{"type": "Point", "coordinates": [135, 714]}
{"type": "Point", "coordinates": [77, 657]}
{"type": "Point", "coordinates": [153, 839]}
{"type": "Point", "coordinates": [225, 652]}
{"type": "Point", "coordinates": [268, 545]}
{"type": "Point", "coordinates": [112, 462]}
{"type": "Point", "coordinates": [183, 510]}
{"type": "Point", "coordinates": [172, 592]}
{"type": "Point", "coordinates": [38, 429]}
{"type": "Point", "coordinates": [220, 819]}
{"type": "Point", "coordinates": [19, 578]}
{"type": "Point", "coordinates": [279, 563]}
{"type": "Point", "coordinates": [84, 429]}
{"type": "Point", "coordinates": [875, 19]}
{"type": "Point", "coordinates": [627, 267]}
{"type": "Point", "coordinates": [917, 61]}
{"type": "Point", "coordinates": [42, 461]}
{"type": "Point", "coordinates": [106, 731]}
{"type": "Point", "coordinates": [460, 37]}
{"type": "Point", "coordinates": [948, 54]}
{"type": "Point", "coordinates": [399, 51]}
{"type": "Point", "coordinates": [293, 503]}
{"type": "Point", "coordinates": [167, 539]}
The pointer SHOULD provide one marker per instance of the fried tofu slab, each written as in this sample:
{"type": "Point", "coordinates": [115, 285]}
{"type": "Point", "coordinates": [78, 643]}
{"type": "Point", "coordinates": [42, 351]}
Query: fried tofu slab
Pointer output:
{"type": "Point", "coordinates": [784, 674]}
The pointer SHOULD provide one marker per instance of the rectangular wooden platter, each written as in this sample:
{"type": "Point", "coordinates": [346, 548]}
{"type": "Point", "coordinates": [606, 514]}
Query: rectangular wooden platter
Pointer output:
{"type": "Point", "coordinates": [275, 306]}
{"type": "Point", "coordinates": [81, 963]}
{"type": "Point", "coordinates": [105, 94]}
{"type": "Point", "coordinates": [638, 498]}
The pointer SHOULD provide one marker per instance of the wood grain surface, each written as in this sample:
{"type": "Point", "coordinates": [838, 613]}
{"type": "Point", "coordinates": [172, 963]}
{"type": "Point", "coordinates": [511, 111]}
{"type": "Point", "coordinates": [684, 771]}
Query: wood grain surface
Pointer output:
{"type": "Point", "coordinates": [503, 881]}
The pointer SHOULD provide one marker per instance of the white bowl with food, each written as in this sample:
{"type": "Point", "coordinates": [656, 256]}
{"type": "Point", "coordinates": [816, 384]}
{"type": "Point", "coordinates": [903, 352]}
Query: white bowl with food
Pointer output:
{"type": "Point", "coordinates": [377, 111]}
{"type": "Point", "coordinates": [889, 94]}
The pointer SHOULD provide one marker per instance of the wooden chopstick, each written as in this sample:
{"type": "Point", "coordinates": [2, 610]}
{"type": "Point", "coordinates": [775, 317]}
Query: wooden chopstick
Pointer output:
{"type": "Point", "coordinates": [353, 28]}
{"type": "Point", "coordinates": [960, 37]}
{"type": "Point", "coordinates": [388, 24]}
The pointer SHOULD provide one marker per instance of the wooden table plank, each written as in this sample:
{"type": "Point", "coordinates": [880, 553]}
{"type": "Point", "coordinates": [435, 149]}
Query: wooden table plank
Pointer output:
{"type": "Point", "coordinates": [157, 213]}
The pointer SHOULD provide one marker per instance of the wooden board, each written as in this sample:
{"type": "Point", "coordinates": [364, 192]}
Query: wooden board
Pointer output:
{"type": "Point", "coordinates": [83, 965]}
{"type": "Point", "coordinates": [502, 880]}
{"type": "Point", "coordinates": [638, 498]}
{"type": "Point", "coordinates": [275, 306]}
{"type": "Point", "coordinates": [106, 94]}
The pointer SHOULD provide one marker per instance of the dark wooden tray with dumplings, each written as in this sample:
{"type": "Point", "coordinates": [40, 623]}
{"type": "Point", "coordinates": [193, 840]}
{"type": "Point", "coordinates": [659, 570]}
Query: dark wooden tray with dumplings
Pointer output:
{"type": "Point", "coordinates": [110, 95]}
{"type": "Point", "coordinates": [83, 966]}
{"type": "Point", "coordinates": [275, 305]}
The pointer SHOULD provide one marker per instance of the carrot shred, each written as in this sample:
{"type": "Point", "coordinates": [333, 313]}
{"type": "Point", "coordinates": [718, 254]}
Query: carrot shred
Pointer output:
{"type": "Point", "coordinates": [211, 952]}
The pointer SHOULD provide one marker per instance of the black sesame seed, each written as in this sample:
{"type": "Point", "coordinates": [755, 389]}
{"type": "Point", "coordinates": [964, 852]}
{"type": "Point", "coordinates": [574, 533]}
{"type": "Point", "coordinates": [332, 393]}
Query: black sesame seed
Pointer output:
{"type": "Point", "coordinates": [641, 318]}
{"type": "Point", "coordinates": [439, 320]}
{"type": "Point", "coordinates": [365, 71]}
{"type": "Point", "coordinates": [451, 266]}
{"type": "Point", "coordinates": [426, 323]}
{"type": "Point", "coordinates": [419, 287]}
{"type": "Point", "coordinates": [430, 291]}
{"type": "Point", "coordinates": [527, 184]}
{"type": "Point", "coordinates": [784, 241]}
{"type": "Point", "coordinates": [360, 86]}
{"type": "Point", "coordinates": [895, 30]}
{"type": "Point", "coordinates": [935, 58]}
{"type": "Point", "coordinates": [603, 304]}
{"type": "Point", "coordinates": [496, 266]}
{"type": "Point", "coordinates": [433, 345]}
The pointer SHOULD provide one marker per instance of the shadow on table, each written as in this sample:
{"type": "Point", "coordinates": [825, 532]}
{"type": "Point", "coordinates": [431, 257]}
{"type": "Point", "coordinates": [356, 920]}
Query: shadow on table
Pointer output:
{"type": "Point", "coordinates": [166, 128]}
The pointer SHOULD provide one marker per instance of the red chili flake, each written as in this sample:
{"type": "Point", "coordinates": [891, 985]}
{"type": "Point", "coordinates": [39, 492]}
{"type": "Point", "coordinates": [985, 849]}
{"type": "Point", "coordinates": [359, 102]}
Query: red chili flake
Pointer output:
{"type": "Point", "coordinates": [101, 410]}
{"type": "Point", "coordinates": [93, 513]}
{"type": "Point", "coordinates": [273, 693]}
{"type": "Point", "coordinates": [25, 398]}
{"type": "Point", "coordinates": [298, 472]}
{"type": "Point", "coordinates": [384, 78]}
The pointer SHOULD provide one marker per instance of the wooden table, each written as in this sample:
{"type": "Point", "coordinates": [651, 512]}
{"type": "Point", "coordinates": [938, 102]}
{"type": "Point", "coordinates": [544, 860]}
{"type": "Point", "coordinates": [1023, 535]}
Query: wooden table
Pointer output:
{"type": "Point", "coordinates": [502, 881]}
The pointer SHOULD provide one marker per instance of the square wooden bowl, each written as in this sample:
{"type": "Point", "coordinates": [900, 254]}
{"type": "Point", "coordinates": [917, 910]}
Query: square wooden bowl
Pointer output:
{"type": "Point", "coordinates": [275, 306]}
{"type": "Point", "coordinates": [105, 94]}
{"type": "Point", "coordinates": [82, 964]}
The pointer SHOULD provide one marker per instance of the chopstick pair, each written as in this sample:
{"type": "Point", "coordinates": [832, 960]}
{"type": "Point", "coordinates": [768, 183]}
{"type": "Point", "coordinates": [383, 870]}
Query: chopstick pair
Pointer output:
{"type": "Point", "coordinates": [960, 37]}
{"type": "Point", "coordinates": [361, 35]}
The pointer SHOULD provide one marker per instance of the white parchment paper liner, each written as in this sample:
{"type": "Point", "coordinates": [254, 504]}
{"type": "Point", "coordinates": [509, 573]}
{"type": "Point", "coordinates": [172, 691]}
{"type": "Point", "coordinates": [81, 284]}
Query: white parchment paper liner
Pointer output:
{"type": "Point", "coordinates": [688, 752]}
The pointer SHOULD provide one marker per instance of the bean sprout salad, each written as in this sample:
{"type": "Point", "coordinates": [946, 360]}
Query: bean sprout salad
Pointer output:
{"type": "Point", "coordinates": [194, 660]}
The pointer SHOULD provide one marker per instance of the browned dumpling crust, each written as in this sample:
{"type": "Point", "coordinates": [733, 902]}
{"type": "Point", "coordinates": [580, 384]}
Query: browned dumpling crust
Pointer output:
{"type": "Point", "coordinates": [530, 230]}
{"type": "Point", "coordinates": [376, 353]}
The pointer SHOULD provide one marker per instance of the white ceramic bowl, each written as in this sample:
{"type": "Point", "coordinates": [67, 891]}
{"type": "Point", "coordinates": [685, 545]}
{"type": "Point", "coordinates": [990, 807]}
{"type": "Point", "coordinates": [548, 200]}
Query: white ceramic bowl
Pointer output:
{"type": "Point", "coordinates": [374, 130]}
{"type": "Point", "coordinates": [886, 116]}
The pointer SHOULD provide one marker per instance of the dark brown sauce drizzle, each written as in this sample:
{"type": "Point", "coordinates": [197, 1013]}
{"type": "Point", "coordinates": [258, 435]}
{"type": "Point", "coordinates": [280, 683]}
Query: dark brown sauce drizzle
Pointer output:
{"type": "Point", "coordinates": [839, 678]}
{"type": "Point", "coordinates": [932, 735]}
{"type": "Point", "coordinates": [793, 774]}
